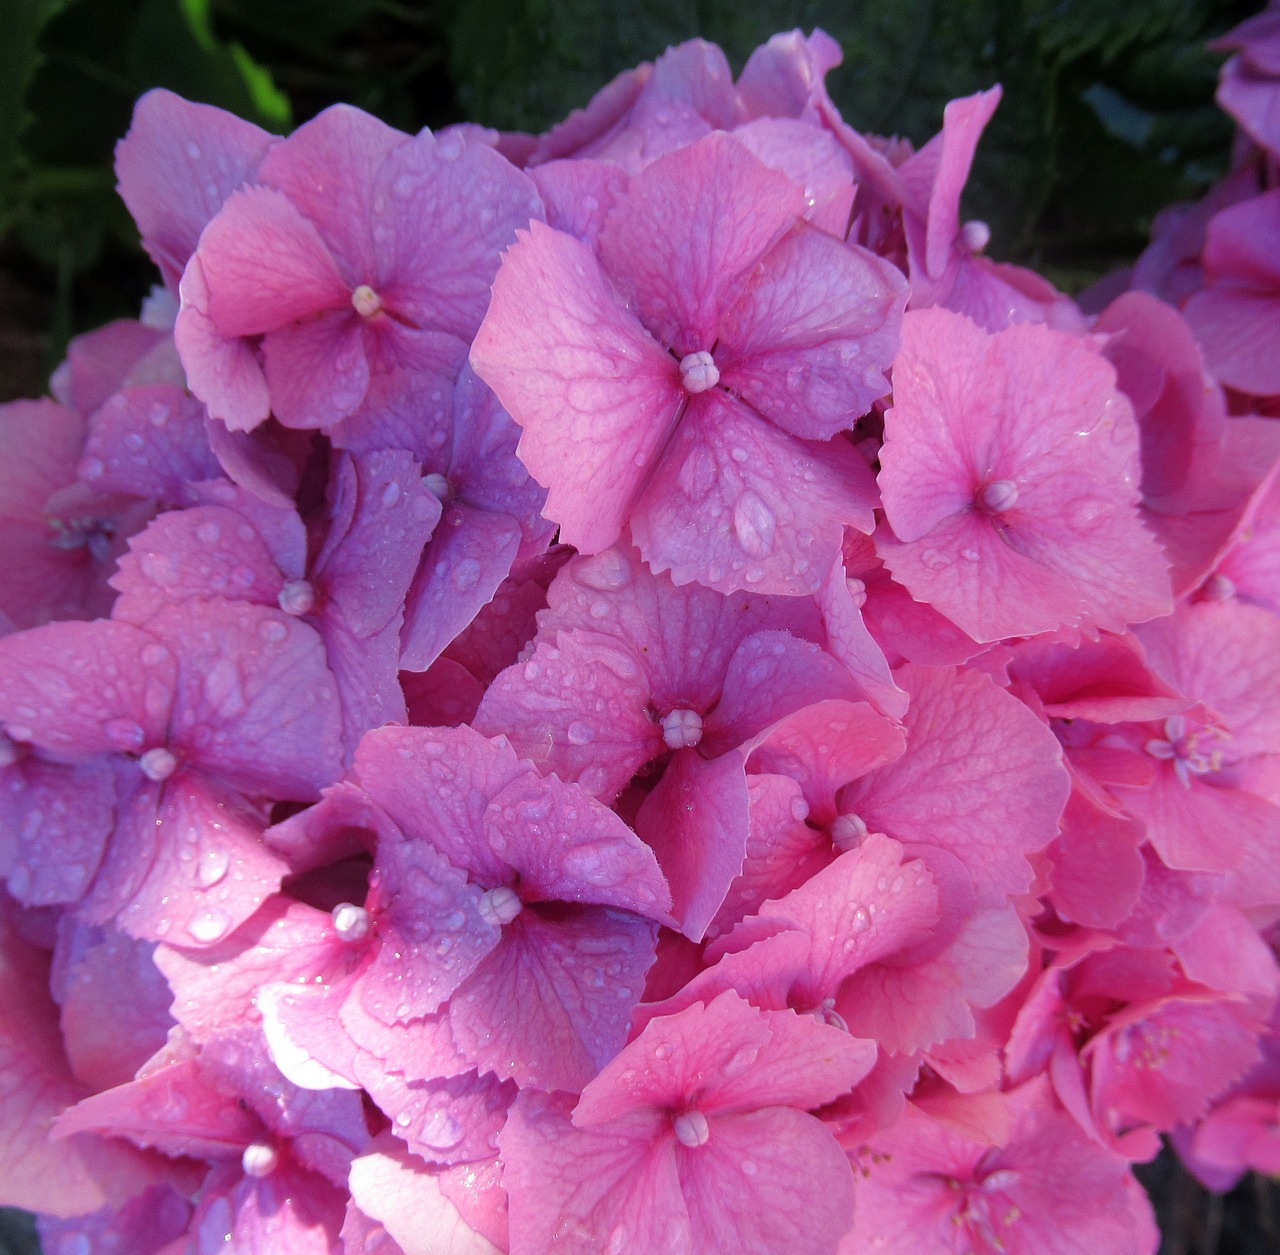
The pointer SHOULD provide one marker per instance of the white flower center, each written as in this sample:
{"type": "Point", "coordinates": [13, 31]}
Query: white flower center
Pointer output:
{"type": "Point", "coordinates": [158, 764]}
{"type": "Point", "coordinates": [500, 906]}
{"type": "Point", "coordinates": [698, 372]}
{"type": "Point", "coordinates": [999, 496]}
{"type": "Point", "coordinates": [259, 1159]}
{"type": "Point", "coordinates": [682, 729]}
{"type": "Point", "coordinates": [366, 301]}
{"type": "Point", "coordinates": [350, 922]}
{"type": "Point", "coordinates": [691, 1128]}
{"type": "Point", "coordinates": [297, 597]}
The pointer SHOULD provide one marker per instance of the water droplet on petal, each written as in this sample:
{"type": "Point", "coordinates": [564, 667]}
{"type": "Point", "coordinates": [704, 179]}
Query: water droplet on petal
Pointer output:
{"type": "Point", "coordinates": [754, 525]}
{"type": "Point", "coordinates": [441, 1131]}
{"type": "Point", "coordinates": [466, 575]}
{"type": "Point", "coordinates": [209, 926]}
{"type": "Point", "coordinates": [125, 733]}
{"type": "Point", "coordinates": [580, 733]}
{"type": "Point", "coordinates": [213, 868]}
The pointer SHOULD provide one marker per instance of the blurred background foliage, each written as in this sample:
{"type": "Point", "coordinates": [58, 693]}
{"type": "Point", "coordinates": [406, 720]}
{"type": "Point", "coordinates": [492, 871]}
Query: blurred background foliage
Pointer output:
{"type": "Point", "coordinates": [1107, 116]}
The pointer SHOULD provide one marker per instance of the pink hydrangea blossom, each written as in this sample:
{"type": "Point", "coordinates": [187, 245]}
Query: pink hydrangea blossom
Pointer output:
{"type": "Point", "coordinates": [712, 396]}
{"type": "Point", "coordinates": [1013, 506]}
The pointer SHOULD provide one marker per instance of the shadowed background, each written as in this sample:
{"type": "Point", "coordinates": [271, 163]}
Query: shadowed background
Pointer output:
{"type": "Point", "coordinates": [1107, 116]}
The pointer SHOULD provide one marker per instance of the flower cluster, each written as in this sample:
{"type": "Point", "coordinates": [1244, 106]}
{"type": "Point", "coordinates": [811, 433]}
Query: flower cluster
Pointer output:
{"type": "Point", "coordinates": [630, 691]}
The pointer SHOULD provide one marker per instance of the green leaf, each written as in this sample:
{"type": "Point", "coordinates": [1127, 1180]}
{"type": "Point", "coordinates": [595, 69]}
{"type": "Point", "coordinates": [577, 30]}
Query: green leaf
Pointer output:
{"type": "Point", "coordinates": [22, 21]}
{"type": "Point", "coordinates": [173, 44]}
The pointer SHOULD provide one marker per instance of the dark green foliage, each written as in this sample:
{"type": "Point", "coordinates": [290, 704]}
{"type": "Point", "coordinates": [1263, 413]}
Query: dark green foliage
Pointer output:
{"type": "Point", "coordinates": [1107, 113]}
{"type": "Point", "coordinates": [70, 71]}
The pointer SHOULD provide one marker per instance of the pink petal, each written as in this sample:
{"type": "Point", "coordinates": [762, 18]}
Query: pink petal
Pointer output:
{"type": "Point", "coordinates": [55, 820]}
{"type": "Point", "coordinates": [982, 778]}
{"type": "Point", "coordinates": [594, 393]}
{"type": "Point", "coordinates": [455, 207]}
{"type": "Point", "coordinates": [266, 265]}
{"type": "Point", "coordinates": [770, 676]}
{"type": "Point", "coordinates": [68, 1177]}
{"type": "Point", "coordinates": [1236, 327]}
{"type": "Point", "coordinates": [695, 820]}
{"type": "Point", "coordinates": [908, 1008]}
{"type": "Point", "coordinates": [834, 907]}
{"type": "Point", "coordinates": [452, 1120]}
{"type": "Point", "coordinates": [176, 166]}
{"type": "Point", "coordinates": [1048, 1190]}
{"type": "Point", "coordinates": [79, 689]}
{"type": "Point", "coordinates": [782, 852]}
{"type": "Point", "coordinates": [813, 159]}
{"type": "Point", "coordinates": [767, 1181]}
{"type": "Point", "coordinates": [122, 354]}
{"type": "Point", "coordinates": [114, 1000]}
{"type": "Point", "coordinates": [328, 169]}
{"type": "Point", "coordinates": [149, 442]}
{"type": "Point", "coordinates": [395, 1188]}
{"type": "Point", "coordinates": [579, 194]}
{"type": "Point", "coordinates": [852, 643]}
{"type": "Point", "coordinates": [736, 503]}
{"type": "Point", "coordinates": [564, 846]}
{"type": "Point", "coordinates": [810, 339]}
{"type": "Point", "coordinates": [437, 784]}
{"type": "Point", "coordinates": [581, 1189]}
{"type": "Point", "coordinates": [692, 224]}
{"type": "Point", "coordinates": [166, 874]}
{"type": "Point", "coordinates": [576, 977]}
{"type": "Point", "coordinates": [1051, 556]}
{"type": "Point", "coordinates": [382, 517]}
{"type": "Point", "coordinates": [254, 700]}
{"type": "Point", "coordinates": [188, 553]}
{"type": "Point", "coordinates": [173, 1108]}
{"type": "Point", "coordinates": [215, 987]}
{"type": "Point", "coordinates": [316, 368]}
{"type": "Point", "coordinates": [1097, 870]}
{"type": "Point", "coordinates": [468, 558]}
{"type": "Point", "coordinates": [724, 1056]}
{"type": "Point", "coordinates": [224, 373]}
{"type": "Point", "coordinates": [823, 747]}
{"type": "Point", "coordinates": [539, 704]}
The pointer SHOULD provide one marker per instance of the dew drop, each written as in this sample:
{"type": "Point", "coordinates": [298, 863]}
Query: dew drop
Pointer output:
{"type": "Point", "coordinates": [213, 868]}
{"type": "Point", "coordinates": [741, 1060]}
{"type": "Point", "coordinates": [580, 733]}
{"type": "Point", "coordinates": [466, 575]}
{"type": "Point", "coordinates": [754, 525]}
{"type": "Point", "coordinates": [209, 925]}
{"type": "Point", "coordinates": [441, 1131]}
{"type": "Point", "coordinates": [122, 732]}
